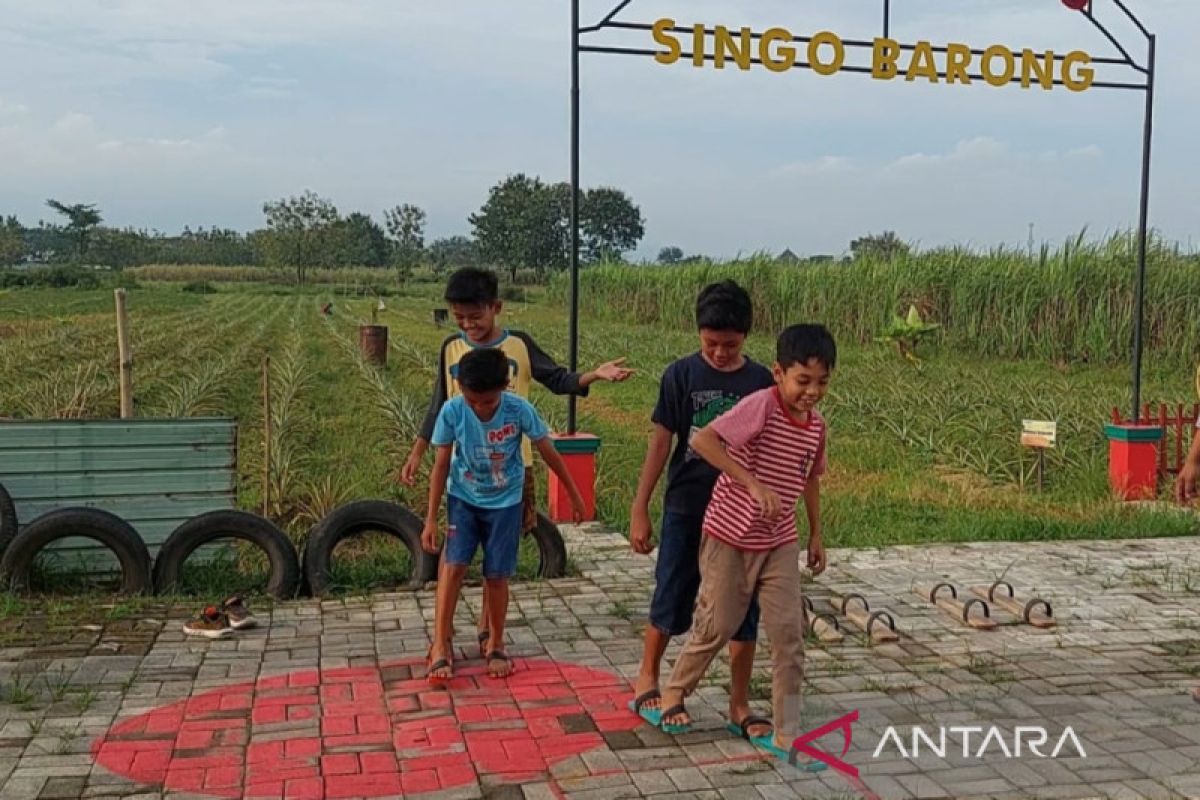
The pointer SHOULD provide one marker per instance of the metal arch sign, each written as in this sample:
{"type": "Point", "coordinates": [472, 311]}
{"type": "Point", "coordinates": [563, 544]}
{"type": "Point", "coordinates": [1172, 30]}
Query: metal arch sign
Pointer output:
{"type": "Point", "coordinates": [884, 58]}
{"type": "Point", "coordinates": [825, 53]}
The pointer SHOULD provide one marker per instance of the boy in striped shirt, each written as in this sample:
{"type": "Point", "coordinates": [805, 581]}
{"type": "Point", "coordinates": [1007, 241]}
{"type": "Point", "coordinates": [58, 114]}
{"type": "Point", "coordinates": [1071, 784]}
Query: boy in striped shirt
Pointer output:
{"type": "Point", "coordinates": [770, 449]}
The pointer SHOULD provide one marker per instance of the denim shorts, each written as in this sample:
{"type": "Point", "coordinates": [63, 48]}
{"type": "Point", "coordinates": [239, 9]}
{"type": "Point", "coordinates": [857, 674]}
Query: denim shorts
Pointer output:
{"type": "Point", "coordinates": [496, 530]}
{"type": "Point", "coordinates": [677, 579]}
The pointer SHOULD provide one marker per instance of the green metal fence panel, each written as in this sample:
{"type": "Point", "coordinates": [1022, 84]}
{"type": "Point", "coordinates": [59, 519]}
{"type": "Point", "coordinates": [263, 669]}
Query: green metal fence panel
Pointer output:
{"type": "Point", "coordinates": [153, 473]}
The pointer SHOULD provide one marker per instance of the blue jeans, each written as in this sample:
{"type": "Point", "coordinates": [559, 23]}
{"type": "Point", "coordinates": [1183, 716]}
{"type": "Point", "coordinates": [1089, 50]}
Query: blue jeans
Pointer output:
{"type": "Point", "coordinates": [677, 579]}
{"type": "Point", "coordinates": [496, 530]}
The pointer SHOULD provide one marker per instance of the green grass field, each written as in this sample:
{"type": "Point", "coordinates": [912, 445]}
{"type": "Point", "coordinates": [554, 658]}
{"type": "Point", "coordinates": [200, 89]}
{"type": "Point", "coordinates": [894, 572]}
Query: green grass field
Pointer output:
{"type": "Point", "coordinates": [918, 453]}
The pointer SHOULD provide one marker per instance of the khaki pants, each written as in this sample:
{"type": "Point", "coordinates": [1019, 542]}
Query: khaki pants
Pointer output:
{"type": "Point", "coordinates": [728, 578]}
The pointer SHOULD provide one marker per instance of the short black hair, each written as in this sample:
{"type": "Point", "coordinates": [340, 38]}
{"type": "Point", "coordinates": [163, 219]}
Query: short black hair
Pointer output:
{"type": "Point", "coordinates": [799, 344]}
{"type": "Point", "coordinates": [724, 306]}
{"type": "Point", "coordinates": [484, 369]}
{"type": "Point", "coordinates": [473, 286]}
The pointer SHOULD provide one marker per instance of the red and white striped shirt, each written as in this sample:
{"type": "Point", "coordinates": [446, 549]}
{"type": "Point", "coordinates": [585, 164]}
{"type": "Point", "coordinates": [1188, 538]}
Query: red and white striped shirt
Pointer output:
{"type": "Point", "coordinates": [761, 436]}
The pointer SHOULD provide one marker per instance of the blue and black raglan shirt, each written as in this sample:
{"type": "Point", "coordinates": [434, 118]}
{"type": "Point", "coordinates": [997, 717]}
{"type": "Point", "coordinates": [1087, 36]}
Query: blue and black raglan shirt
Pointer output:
{"type": "Point", "coordinates": [526, 361]}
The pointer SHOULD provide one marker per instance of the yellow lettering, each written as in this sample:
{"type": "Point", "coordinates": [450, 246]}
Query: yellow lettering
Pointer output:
{"type": "Point", "coordinates": [663, 36]}
{"type": "Point", "coordinates": [1010, 65]}
{"type": "Point", "coordinates": [883, 59]}
{"type": "Point", "coordinates": [784, 57]}
{"type": "Point", "coordinates": [1083, 78]}
{"type": "Point", "coordinates": [922, 64]}
{"type": "Point", "coordinates": [1031, 68]}
{"type": "Point", "coordinates": [699, 37]}
{"type": "Point", "coordinates": [724, 43]}
{"type": "Point", "coordinates": [814, 53]}
{"type": "Point", "coordinates": [958, 61]}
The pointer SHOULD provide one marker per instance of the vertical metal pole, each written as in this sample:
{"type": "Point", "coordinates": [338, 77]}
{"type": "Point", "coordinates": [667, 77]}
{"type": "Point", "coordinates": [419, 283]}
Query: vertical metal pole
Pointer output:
{"type": "Point", "coordinates": [574, 324]}
{"type": "Point", "coordinates": [1143, 216]}
{"type": "Point", "coordinates": [887, 17]}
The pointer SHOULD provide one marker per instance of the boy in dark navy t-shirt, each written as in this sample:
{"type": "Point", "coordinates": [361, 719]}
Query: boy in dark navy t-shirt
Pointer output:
{"type": "Point", "coordinates": [693, 392]}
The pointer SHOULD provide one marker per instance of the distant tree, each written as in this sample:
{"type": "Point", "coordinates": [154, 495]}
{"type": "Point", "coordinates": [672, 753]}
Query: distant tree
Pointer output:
{"type": "Point", "coordinates": [884, 246]}
{"type": "Point", "coordinates": [363, 242]}
{"type": "Point", "coordinates": [670, 255]}
{"type": "Point", "coordinates": [12, 242]}
{"type": "Point", "coordinates": [301, 232]}
{"type": "Point", "coordinates": [610, 224]}
{"type": "Point", "coordinates": [453, 253]}
{"type": "Point", "coordinates": [406, 226]}
{"type": "Point", "coordinates": [522, 225]}
{"type": "Point", "coordinates": [81, 221]}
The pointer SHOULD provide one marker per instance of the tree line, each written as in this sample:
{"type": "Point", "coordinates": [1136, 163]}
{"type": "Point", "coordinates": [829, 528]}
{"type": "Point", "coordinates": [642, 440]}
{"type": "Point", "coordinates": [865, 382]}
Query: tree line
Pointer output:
{"type": "Point", "coordinates": [523, 224]}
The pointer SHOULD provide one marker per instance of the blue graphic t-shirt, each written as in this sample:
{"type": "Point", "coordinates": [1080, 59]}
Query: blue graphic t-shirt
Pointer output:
{"type": "Point", "coordinates": [692, 394]}
{"type": "Point", "coordinates": [487, 469]}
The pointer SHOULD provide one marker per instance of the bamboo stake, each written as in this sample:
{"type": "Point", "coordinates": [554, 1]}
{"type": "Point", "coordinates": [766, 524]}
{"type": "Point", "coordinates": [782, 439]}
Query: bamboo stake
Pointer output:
{"type": "Point", "coordinates": [125, 358]}
{"type": "Point", "coordinates": [266, 476]}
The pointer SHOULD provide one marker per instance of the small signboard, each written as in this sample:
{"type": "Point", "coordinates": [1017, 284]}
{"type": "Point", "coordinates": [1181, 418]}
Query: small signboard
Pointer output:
{"type": "Point", "coordinates": [1039, 433]}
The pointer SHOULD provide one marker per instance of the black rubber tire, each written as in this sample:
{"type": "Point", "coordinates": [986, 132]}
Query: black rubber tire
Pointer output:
{"type": "Point", "coordinates": [354, 518]}
{"type": "Point", "coordinates": [108, 529]}
{"type": "Point", "coordinates": [8, 519]}
{"type": "Point", "coordinates": [551, 546]}
{"type": "Point", "coordinates": [229, 524]}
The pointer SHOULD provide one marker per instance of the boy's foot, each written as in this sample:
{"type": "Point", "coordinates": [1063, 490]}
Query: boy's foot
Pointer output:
{"type": "Point", "coordinates": [499, 665]}
{"type": "Point", "coordinates": [648, 706]}
{"type": "Point", "coordinates": [239, 613]}
{"type": "Point", "coordinates": [440, 666]}
{"type": "Point", "coordinates": [483, 637]}
{"type": "Point", "coordinates": [211, 623]}
{"type": "Point", "coordinates": [748, 725]}
{"type": "Point", "coordinates": [675, 718]}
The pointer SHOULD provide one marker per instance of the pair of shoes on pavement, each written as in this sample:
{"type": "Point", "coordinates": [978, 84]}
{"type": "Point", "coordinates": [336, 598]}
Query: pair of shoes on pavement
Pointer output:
{"type": "Point", "coordinates": [220, 621]}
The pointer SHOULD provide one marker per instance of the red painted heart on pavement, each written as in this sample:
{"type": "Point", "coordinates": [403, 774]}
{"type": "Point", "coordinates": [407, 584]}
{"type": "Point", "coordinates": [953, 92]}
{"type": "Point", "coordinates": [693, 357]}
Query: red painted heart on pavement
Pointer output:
{"type": "Point", "coordinates": [369, 732]}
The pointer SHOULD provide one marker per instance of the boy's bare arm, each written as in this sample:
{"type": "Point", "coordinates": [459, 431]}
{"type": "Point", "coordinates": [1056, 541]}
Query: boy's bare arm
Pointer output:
{"type": "Point", "coordinates": [812, 509]}
{"type": "Point", "coordinates": [1185, 486]}
{"type": "Point", "coordinates": [437, 487]}
{"type": "Point", "coordinates": [408, 471]}
{"type": "Point", "coordinates": [658, 450]}
{"type": "Point", "coordinates": [554, 461]}
{"type": "Point", "coordinates": [708, 444]}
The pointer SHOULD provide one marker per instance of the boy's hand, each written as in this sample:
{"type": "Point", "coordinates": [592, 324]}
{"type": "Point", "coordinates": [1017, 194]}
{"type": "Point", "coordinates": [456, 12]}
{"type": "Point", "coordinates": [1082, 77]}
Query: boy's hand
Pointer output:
{"type": "Point", "coordinates": [1185, 486]}
{"type": "Point", "coordinates": [769, 503]}
{"type": "Point", "coordinates": [429, 538]}
{"type": "Point", "coordinates": [816, 555]}
{"type": "Point", "coordinates": [408, 472]}
{"type": "Point", "coordinates": [578, 510]}
{"type": "Point", "coordinates": [613, 371]}
{"type": "Point", "coordinates": [640, 531]}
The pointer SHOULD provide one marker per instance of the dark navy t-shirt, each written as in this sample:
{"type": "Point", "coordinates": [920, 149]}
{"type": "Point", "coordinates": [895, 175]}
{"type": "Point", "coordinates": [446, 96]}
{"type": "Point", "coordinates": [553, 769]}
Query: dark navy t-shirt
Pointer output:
{"type": "Point", "coordinates": [692, 394]}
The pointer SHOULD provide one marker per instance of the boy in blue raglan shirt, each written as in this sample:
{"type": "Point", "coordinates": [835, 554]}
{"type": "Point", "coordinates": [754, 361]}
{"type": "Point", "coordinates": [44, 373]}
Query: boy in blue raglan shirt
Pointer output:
{"type": "Point", "coordinates": [479, 463]}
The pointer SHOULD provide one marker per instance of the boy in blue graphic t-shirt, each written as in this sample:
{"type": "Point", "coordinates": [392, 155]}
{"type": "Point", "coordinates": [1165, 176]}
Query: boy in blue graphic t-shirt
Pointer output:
{"type": "Point", "coordinates": [479, 464]}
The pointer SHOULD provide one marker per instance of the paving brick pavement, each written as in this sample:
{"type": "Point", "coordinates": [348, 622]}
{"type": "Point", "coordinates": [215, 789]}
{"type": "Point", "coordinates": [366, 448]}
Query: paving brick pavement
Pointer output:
{"type": "Point", "coordinates": [327, 699]}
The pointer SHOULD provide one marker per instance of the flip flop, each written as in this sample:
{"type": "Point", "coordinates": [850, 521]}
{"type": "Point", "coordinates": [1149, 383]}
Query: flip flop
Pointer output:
{"type": "Point", "coordinates": [651, 715]}
{"type": "Point", "coordinates": [677, 729]}
{"type": "Point", "coordinates": [742, 729]}
{"type": "Point", "coordinates": [767, 744]}
{"type": "Point", "coordinates": [440, 680]}
{"type": "Point", "coordinates": [500, 655]}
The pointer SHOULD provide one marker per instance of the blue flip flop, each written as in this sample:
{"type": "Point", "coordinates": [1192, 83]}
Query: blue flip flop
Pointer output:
{"type": "Point", "coordinates": [638, 706]}
{"type": "Point", "coordinates": [767, 743]}
{"type": "Point", "coordinates": [675, 730]}
{"type": "Point", "coordinates": [742, 729]}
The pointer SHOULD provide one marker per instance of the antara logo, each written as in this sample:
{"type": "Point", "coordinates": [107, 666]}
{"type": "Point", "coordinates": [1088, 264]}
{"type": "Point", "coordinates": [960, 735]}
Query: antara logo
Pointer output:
{"type": "Point", "coordinates": [500, 434]}
{"type": "Point", "coordinates": [1032, 737]}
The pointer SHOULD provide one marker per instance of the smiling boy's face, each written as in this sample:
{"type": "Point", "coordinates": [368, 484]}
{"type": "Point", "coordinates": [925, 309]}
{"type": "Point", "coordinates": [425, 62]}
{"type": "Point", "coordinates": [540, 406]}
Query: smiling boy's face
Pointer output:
{"type": "Point", "coordinates": [802, 385]}
{"type": "Point", "coordinates": [477, 321]}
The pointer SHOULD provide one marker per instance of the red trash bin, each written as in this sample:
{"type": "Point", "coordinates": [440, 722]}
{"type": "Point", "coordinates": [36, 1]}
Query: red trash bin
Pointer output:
{"type": "Point", "coordinates": [1133, 460]}
{"type": "Point", "coordinates": [579, 454]}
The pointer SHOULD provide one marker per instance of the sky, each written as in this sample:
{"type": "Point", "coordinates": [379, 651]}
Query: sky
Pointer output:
{"type": "Point", "coordinates": [168, 113]}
